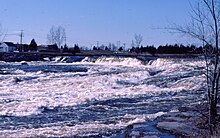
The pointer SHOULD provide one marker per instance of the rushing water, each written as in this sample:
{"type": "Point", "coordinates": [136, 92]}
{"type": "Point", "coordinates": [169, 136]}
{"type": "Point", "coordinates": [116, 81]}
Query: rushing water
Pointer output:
{"type": "Point", "coordinates": [96, 97]}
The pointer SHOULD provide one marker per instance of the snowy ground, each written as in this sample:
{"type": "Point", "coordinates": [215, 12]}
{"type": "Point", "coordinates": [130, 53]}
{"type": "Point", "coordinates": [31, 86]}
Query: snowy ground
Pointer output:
{"type": "Point", "coordinates": [101, 98]}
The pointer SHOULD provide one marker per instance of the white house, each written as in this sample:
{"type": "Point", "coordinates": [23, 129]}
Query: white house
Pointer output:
{"type": "Point", "coordinates": [3, 47]}
{"type": "Point", "coordinates": [7, 47]}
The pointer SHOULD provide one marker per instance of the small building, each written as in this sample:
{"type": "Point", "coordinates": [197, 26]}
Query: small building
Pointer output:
{"type": "Point", "coordinates": [7, 47]}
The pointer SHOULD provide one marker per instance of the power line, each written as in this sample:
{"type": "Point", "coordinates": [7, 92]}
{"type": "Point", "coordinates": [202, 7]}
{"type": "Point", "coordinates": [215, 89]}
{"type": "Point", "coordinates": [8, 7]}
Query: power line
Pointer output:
{"type": "Point", "coordinates": [13, 34]}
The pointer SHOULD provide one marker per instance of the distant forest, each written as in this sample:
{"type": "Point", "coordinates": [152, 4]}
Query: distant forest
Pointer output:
{"type": "Point", "coordinates": [168, 49]}
{"type": "Point", "coordinates": [162, 49]}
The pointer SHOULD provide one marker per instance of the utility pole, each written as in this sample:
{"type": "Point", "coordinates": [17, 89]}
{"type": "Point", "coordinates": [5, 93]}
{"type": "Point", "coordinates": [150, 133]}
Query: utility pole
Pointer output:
{"type": "Point", "coordinates": [118, 44]}
{"type": "Point", "coordinates": [65, 39]}
{"type": "Point", "coordinates": [21, 36]}
{"type": "Point", "coordinates": [124, 45]}
{"type": "Point", "coordinates": [97, 44]}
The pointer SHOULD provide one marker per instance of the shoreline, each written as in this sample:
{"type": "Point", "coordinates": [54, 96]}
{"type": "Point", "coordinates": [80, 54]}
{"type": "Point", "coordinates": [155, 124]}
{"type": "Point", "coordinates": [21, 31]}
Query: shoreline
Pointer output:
{"type": "Point", "coordinates": [39, 56]}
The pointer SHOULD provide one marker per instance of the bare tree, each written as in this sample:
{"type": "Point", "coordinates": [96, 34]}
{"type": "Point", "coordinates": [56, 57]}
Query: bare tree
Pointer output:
{"type": "Point", "coordinates": [0, 32]}
{"type": "Point", "coordinates": [205, 26]}
{"type": "Point", "coordinates": [56, 35]}
{"type": "Point", "coordinates": [132, 44]}
{"type": "Point", "coordinates": [138, 39]}
{"type": "Point", "coordinates": [2, 36]}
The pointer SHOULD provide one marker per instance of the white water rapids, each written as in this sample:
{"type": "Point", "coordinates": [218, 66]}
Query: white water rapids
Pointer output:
{"type": "Point", "coordinates": [99, 96]}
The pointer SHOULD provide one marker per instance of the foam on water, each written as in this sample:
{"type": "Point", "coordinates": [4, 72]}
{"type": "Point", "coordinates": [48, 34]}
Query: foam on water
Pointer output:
{"type": "Point", "coordinates": [124, 61]}
{"type": "Point", "coordinates": [61, 130]}
{"type": "Point", "coordinates": [100, 87]}
{"type": "Point", "coordinates": [154, 116]}
{"type": "Point", "coordinates": [104, 81]}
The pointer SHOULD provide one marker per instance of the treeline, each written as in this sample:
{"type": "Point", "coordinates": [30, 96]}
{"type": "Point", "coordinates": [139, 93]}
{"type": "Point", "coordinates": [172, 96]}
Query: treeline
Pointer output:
{"type": "Point", "coordinates": [162, 49]}
{"type": "Point", "coordinates": [110, 47]}
{"type": "Point", "coordinates": [168, 49]}
{"type": "Point", "coordinates": [33, 47]}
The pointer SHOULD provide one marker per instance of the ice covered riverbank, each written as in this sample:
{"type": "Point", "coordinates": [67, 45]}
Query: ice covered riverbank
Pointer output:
{"type": "Point", "coordinates": [101, 97]}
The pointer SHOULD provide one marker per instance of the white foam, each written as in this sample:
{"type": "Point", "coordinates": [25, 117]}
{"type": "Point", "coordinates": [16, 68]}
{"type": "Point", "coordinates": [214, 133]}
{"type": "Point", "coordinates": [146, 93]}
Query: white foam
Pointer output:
{"type": "Point", "coordinates": [154, 116]}
{"type": "Point", "coordinates": [79, 129]}
{"type": "Point", "coordinates": [101, 82]}
{"type": "Point", "coordinates": [44, 90]}
{"type": "Point", "coordinates": [160, 62]}
{"type": "Point", "coordinates": [59, 131]}
{"type": "Point", "coordinates": [123, 61]}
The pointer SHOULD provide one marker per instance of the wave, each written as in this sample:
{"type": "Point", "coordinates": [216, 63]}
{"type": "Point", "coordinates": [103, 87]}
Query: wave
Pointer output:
{"type": "Point", "coordinates": [124, 61]}
{"type": "Point", "coordinates": [104, 99]}
{"type": "Point", "coordinates": [160, 62]}
{"type": "Point", "coordinates": [136, 61]}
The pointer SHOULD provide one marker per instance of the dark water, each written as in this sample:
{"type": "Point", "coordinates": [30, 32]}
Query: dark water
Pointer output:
{"type": "Point", "coordinates": [44, 68]}
{"type": "Point", "coordinates": [109, 112]}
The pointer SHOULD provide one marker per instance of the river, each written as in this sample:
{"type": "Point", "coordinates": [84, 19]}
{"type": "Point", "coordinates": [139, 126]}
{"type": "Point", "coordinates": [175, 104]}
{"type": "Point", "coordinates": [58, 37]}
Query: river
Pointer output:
{"type": "Point", "coordinates": [104, 97]}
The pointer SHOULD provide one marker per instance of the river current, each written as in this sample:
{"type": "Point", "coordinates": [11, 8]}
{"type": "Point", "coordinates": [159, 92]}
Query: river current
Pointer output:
{"type": "Point", "coordinates": [95, 97]}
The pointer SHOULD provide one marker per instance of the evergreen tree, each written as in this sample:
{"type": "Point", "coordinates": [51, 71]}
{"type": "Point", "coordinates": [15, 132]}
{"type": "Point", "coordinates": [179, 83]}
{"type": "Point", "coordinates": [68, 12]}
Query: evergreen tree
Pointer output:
{"type": "Point", "coordinates": [33, 45]}
{"type": "Point", "coordinates": [120, 49]}
{"type": "Point", "coordinates": [94, 48]}
{"type": "Point", "coordinates": [65, 48]}
{"type": "Point", "coordinates": [76, 48]}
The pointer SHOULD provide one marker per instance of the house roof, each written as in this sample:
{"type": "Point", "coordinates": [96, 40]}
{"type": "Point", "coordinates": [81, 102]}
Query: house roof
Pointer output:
{"type": "Point", "coordinates": [10, 44]}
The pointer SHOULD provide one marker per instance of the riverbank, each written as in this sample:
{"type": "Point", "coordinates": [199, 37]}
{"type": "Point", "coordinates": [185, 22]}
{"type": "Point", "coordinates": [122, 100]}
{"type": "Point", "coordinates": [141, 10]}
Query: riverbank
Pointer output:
{"type": "Point", "coordinates": [16, 57]}
{"type": "Point", "coordinates": [191, 121]}
{"type": "Point", "coordinates": [39, 56]}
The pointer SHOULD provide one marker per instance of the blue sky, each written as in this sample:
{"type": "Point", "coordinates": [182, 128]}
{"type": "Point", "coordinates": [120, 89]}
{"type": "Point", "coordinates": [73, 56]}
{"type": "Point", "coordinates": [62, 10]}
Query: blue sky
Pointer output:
{"type": "Point", "coordinates": [88, 21]}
